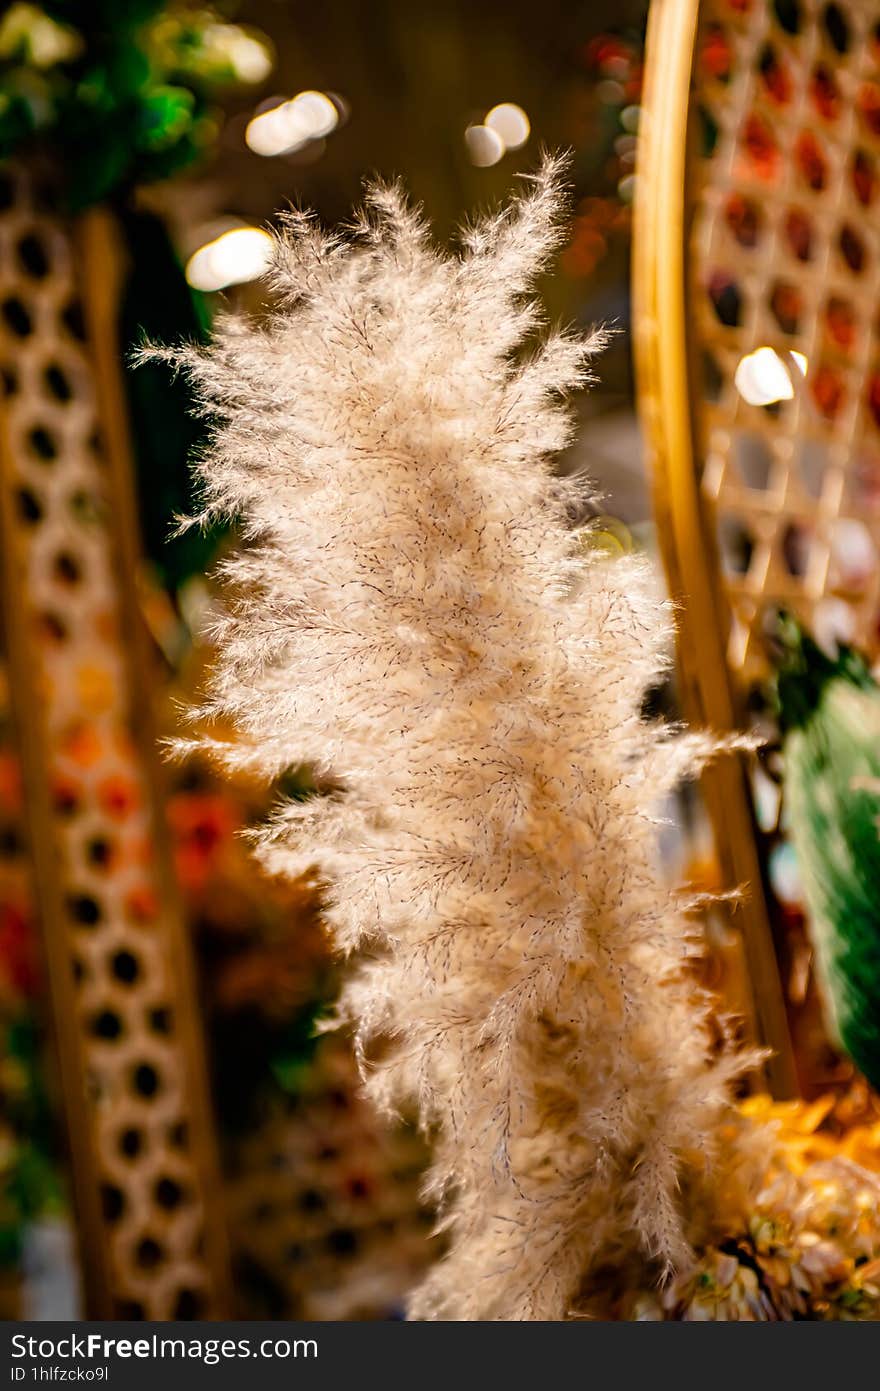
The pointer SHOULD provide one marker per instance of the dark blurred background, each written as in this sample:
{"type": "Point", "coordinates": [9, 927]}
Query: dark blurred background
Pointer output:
{"type": "Point", "coordinates": [411, 79]}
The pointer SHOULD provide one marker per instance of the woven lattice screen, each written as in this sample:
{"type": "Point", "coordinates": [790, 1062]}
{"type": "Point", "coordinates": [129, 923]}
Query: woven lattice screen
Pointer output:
{"type": "Point", "coordinates": [756, 277]}
{"type": "Point", "coordinates": [785, 255]}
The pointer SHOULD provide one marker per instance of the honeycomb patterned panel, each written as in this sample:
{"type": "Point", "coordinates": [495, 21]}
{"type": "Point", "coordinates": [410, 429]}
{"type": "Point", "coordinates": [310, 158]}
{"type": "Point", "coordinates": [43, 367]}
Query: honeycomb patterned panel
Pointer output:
{"type": "Point", "coordinates": [322, 1192]}
{"type": "Point", "coordinates": [142, 1145]}
{"type": "Point", "coordinates": [785, 306]}
{"type": "Point", "coordinates": [325, 1218]}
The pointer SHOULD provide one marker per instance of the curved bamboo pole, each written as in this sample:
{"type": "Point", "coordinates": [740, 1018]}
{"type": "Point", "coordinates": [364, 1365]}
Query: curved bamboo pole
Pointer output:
{"type": "Point", "coordinates": [667, 402]}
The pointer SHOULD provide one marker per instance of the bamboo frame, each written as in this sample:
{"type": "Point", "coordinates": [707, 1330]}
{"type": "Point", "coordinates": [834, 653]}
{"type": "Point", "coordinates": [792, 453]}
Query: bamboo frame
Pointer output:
{"type": "Point", "coordinates": [667, 402]}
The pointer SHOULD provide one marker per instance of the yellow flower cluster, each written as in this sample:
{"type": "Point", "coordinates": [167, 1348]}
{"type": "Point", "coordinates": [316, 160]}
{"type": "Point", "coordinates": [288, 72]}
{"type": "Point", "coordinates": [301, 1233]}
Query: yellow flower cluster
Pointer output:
{"type": "Point", "coordinates": [811, 1246]}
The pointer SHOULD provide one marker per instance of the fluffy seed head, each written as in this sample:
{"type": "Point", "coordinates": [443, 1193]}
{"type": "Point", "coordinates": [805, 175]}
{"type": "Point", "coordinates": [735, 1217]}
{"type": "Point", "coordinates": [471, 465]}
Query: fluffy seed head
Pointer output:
{"type": "Point", "coordinates": [410, 615]}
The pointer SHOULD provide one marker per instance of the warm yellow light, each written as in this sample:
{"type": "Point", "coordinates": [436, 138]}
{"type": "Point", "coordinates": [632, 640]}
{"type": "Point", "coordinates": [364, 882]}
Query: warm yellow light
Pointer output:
{"type": "Point", "coordinates": [510, 122]}
{"type": "Point", "coordinates": [630, 117]}
{"type": "Point", "coordinates": [292, 124]}
{"type": "Point", "coordinates": [315, 112]}
{"type": "Point", "coordinates": [236, 256]}
{"type": "Point", "coordinates": [763, 378]}
{"type": "Point", "coordinates": [833, 623]}
{"type": "Point", "coordinates": [484, 146]}
{"type": "Point", "coordinates": [44, 40]}
{"type": "Point", "coordinates": [250, 58]}
{"type": "Point", "coordinates": [270, 133]}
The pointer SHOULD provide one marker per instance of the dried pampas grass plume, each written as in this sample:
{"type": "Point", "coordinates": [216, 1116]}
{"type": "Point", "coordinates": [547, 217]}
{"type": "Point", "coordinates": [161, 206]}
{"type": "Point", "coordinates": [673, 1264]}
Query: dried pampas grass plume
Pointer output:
{"type": "Point", "coordinates": [402, 618]}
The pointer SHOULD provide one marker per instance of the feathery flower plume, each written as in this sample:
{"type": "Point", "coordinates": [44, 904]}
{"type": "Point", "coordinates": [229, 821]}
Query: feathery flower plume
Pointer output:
{"type": "Point", "coordinates": [409, 614]}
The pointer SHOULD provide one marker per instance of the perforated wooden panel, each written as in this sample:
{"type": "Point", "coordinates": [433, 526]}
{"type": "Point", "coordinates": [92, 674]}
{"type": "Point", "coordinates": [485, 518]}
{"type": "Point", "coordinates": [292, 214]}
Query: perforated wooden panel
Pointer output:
{"type": "Point", "coordinates": [785, 255]}
{"type": "Point", "coordinates": [123, 999]}
{"type": "Point", "coordinates": [325, 1218]}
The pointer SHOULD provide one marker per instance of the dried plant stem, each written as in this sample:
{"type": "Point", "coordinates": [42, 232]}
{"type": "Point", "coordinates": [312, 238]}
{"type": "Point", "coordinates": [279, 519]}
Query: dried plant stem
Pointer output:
{"type": "Point", "coordinates": [402, 617]}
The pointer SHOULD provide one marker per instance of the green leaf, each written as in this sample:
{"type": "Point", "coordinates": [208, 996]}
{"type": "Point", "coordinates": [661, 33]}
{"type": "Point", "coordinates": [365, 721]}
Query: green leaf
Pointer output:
{"type": "Point", "coordinates": [165, 116]}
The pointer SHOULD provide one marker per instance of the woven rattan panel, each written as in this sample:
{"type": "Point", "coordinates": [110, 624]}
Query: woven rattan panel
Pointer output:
{"type": "Point", "coordinates": [130, 1064]}
{"type": "Point", "coordinates": [785, 254]}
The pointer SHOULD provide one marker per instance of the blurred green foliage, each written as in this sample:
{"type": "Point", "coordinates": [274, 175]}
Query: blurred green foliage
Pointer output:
{"type": "Point", "coordinates": [29, 1180]}
{"type": "Point", "coordinates": [122, 90]}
